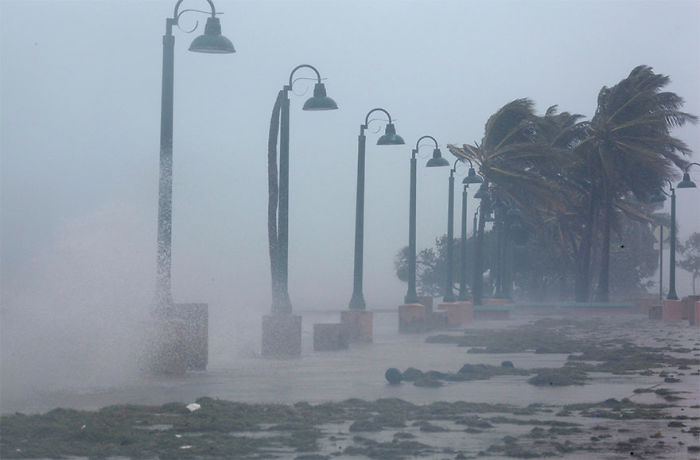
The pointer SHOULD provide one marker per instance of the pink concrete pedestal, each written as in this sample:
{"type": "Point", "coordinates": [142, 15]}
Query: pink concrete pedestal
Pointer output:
{"type": "Point", "coordinates": [458, 313]}
{"type": "Point", "coordinates": [412, 317]}
{"type": "Point", "coordinates": [672, 310]}
{"type": "Point", "coordinates": [358, 324]}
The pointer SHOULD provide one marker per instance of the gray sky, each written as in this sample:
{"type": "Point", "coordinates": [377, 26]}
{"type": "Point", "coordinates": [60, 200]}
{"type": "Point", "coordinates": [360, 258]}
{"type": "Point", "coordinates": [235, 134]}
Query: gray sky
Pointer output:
{"type": "Point", "coordinates": [80, 101]}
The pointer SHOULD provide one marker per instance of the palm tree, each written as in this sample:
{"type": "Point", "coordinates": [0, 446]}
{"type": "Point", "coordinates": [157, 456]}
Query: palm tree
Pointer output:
{"type": "Point", "coordinates": [629, 148]}
{"type": "Point", "coordinates": [520, 167]}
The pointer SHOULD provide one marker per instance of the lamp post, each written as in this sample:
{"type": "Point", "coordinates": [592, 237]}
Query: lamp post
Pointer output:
{"type": "Point", "coordinates": [281, 335]}
{"type": "Point", "coordinates": [471, 178]}
{"type": "Point", "coordinates": [281, 302]}
{"type": "Point", "coordinates": [436, 160]}
{"type": "Point", "coordinates": [211, 42]}
{"type": "Point", "coordinates": [482, 194]}
{"type": "Point", "coordinates": [672, 263]}
{"type": "Point", "coordinates": [357, 301]}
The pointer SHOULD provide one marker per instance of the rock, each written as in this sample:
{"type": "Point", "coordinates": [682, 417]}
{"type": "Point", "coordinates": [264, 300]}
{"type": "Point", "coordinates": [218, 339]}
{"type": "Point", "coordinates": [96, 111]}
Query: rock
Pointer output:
{"type": "Point", "coordinates": [393, 376]}
{"type": "Point", "coordinates": [507, 364]}
{"type": "Point", "coordinates": [427, 382]}
{"type": "Point", "coordinates": [411, 374]}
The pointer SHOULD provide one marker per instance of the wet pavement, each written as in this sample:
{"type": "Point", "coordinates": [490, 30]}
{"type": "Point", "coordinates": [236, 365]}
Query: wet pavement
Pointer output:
{"type": "Point", "coordinates": [358, 372]}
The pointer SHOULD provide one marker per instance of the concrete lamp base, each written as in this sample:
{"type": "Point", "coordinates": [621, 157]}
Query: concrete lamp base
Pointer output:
{"type": "Point", "coordinates": [281, 335]}
{"type": "Point", "coordinates": [359, 325]}
{"type": "Point", "coordinates": [672, 310]}
{"type": "Point", "coordinates": [412, 318]}
{"type": "Point", "coordinates": [167, 351]}
{"type": "Point", "coordinates": [196, 319]}
{"type": "Point", "coordinates": [180, 341]}
{"type": "Point", "coordinates": [458, 313]}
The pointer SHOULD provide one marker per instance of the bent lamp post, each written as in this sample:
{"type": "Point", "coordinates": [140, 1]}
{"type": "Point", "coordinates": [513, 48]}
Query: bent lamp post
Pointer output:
{"type": "Point", "coordinates": [436, 160]}
{"type": "Point", "coordinates": [281, 330]}
{"type": "Point", "coordinates": [179, 345]}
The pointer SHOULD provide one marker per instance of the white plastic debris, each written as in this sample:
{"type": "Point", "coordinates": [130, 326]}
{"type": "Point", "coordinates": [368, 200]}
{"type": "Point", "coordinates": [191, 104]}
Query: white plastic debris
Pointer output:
{"type": "Point", "coordinates": [193, 407]}
{"type": "Point", "coordinates": [178, 435]}
{"type": "Point", "coordinates": [185, 447]}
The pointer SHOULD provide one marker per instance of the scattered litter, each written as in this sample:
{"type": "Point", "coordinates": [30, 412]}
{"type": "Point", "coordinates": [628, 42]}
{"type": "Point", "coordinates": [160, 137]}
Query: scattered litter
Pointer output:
{"type": "Point", "coordinates": [185, 447]}
{"type": "Point", "coordinates": [178, 435]}
{"type": "Point", "coordinates": [193, 407]}
{"type": "Point", "coordinates": [82, 427]}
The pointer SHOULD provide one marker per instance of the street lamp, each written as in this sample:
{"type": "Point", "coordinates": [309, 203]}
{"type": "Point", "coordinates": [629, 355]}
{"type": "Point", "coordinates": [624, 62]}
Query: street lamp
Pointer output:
{"type": "Point", "coordinates": [686, 182]}
{"type": "Point", "coordinates": [484, 195]}
{"type": "Point", "coordinates": [357, 302]}
{"type": "Point", "coordinates": [661, 196]}
{"type": "Point", "coordinates": [472, 178]}
{"type": "Point", "coordinates": [281, 331]}
{"type": "Point", "coordinates": [281, 302]}
{"type": "Point", "coordinates": [210, 42]}
{"type": "Point", "coordinates": [436, 160]}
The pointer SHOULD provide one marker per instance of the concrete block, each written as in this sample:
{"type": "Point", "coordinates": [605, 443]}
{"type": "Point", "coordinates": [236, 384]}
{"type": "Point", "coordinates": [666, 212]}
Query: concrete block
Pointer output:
{"type": "Point", "coordinates": [196, 319]}
{"type": "Point", "coordinates": [689, 307]}
{"type": "Point", "coordinates": [672, 310]}
{"type": "Point", "coordinates": [168, 352]}
{"type": "Point", "coordinates": [412, 318]}
{"type": "Point", "coordinates": [457, 312]}
{"type": "Point", "coordinates": [330, 337]}
{"type": "Point", "coordinates": [427, 301]}
{"type": "Point", "coordinates": [281, 335]}
{"type": "Point", "coordinates": [696, 314]}
{"type": "Point", "coordinates": [359, 324]}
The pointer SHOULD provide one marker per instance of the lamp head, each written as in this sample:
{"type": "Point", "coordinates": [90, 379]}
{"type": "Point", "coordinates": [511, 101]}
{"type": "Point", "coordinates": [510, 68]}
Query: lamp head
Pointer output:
{"type": "Point", "coordinates": [482, 193]}
{"type": "Point", "coordinates": [320, 101]}
{"type": "Point", "coordinates": [390, 137]}
{"type": "Point", "coordinates": [472, 178]}
{"type": "Point", "coordinates": [686, 182]}
{"type": "Point", "coordinates": [212, 41]}
{"type": "Point", "coordinates": [437, 159]}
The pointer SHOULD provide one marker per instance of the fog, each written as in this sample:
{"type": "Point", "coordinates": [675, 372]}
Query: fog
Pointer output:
{"type": "Point", "coordinates": [80, 116]}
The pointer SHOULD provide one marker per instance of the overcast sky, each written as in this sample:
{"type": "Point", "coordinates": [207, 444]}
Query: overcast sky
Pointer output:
{"type": "Point", "coordinates": [80, 102]}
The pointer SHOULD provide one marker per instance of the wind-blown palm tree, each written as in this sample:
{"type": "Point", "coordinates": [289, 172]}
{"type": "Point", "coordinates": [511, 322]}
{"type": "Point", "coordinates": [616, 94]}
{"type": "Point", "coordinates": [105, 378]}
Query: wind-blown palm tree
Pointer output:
{"type": "Point", "coordinates": [629, 148]}
{"type": "Point", "coordinates": [512, 158]}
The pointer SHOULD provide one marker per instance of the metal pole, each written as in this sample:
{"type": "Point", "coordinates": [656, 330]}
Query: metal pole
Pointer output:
{"type": "Point", "coordinates": [499, 224]}
{"type": "Point", "coordinates": [672, 264]}
{"type": "Point", "coordinates": [661, 263]}
{"type": "Point", "coordinates": [357, 302]}
{"type": "Point", "coordinates": [463, 243]}
{"type": "Point", "coordinates": [449, 293]}
{"type": "Point", "coordinates": [164, 298]}
{"type": "Point", "coordinates": [411, 295]}
{"type": "Point", "coordinates": [283, 303]}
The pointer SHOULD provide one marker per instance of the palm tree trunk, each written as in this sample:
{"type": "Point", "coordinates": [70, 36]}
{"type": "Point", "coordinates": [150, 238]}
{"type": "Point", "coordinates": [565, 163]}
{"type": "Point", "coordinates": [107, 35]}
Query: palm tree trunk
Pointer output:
{"type": "Point", "coordinates": [603, 294]}
{"type": "Point", "coordinates": [583, 268]}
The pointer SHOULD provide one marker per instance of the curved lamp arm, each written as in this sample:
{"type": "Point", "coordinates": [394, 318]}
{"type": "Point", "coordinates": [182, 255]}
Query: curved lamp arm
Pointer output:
{"type": "Point", "coordinates": [378, 109]}
{"type": "Point", "coordinates": [685, 170]}
{"type": "Point", "coordinates": [425, 137]}
{"type": "Point", "coordinates": [308, 66]}
{"type": "Point", "coordinates": [176, 13]}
